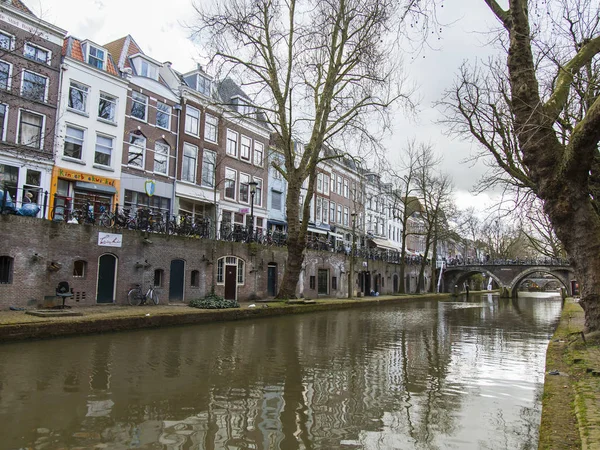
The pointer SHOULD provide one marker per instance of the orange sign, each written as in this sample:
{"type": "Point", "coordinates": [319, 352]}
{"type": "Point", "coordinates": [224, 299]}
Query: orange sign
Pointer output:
{"type": "Point", "coordinates": [78, 176]}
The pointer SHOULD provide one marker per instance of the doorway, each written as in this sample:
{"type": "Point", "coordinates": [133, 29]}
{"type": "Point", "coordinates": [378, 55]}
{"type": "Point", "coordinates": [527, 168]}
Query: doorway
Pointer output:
{"type": "Point", "coordinates": [323, 282]}
{"type": "Point", "coordinates": [107, 277]}
{"type": "Point", "coordinates": [272, 280]}
{"type": "Point", "coordinates": [395, 284]}
{"type": "Point", "coordinates": [230, 282]}
{"type": "Point", "coordinates": [176, 280]}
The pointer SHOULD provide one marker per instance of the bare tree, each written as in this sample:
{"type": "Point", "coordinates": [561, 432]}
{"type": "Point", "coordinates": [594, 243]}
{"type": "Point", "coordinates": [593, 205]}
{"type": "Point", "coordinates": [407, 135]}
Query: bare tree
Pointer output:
{"type": "Point", "coordinates": [538, 115]}
{"type": "Point", "coordinates": [539, 232]}
{"type": "Point", "coordinates": [319, 69]}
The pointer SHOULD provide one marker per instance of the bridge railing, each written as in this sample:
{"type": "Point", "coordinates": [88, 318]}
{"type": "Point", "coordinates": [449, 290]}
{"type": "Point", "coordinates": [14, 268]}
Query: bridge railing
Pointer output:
{"type": "Point", "coordinates": [455, 262]}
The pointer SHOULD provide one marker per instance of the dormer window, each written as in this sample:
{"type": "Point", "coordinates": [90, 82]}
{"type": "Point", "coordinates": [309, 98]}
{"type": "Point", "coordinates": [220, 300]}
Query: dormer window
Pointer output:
{"type": "Point", "coordinates": [203, 85]}
{"type": "Point", "coordinates": [145, 67]}
{"type": "Point", "coordinates": [148, 70]}
{"type": "Point", "coordinates": [244, 108]}
{"type": "Point", "coordinates": [95, 56]}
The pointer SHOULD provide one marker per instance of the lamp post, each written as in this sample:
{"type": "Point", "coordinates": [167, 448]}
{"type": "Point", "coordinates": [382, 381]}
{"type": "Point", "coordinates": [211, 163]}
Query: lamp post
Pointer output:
{"type": "Point", "coordinates": [252, 185]}
{"type": "Point", "coordinates": [352, 253]}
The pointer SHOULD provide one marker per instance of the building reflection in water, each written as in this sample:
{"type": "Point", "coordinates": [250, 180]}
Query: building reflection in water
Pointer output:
{"type": "Point", "coordinates": [422, 374]}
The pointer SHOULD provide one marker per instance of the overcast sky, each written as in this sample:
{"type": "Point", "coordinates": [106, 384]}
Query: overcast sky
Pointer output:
{"type": "Point", "coordinates": [158, 27]}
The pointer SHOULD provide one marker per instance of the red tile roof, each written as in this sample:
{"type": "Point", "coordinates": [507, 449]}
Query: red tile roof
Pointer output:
{"type": "Point", "coordinates": [122, 49]}
{"type": "Point", "coordinates": [72, 48]}
{"type": "Point", "coordinates": [21, 6]}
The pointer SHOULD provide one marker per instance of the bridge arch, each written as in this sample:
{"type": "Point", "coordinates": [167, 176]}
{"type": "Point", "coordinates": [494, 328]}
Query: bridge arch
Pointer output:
{"type": "Point", "coordinates": [458, 275]}
{"type": "Point", "coordinates": [563, 275]}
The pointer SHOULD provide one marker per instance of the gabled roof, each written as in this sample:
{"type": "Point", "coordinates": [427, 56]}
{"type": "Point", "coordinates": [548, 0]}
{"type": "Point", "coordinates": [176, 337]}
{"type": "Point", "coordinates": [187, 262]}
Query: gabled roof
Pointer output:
{"type": "Point", "coordinates": [18, 4]}
{"type": "Point", "coordinates": [228, 90]}
{"type": "Point", "coordinates": [122, 49]}
{"type": "Point", "coordinates": [72, 49]}
{"type": "Point", "coordinates": [413, 205]}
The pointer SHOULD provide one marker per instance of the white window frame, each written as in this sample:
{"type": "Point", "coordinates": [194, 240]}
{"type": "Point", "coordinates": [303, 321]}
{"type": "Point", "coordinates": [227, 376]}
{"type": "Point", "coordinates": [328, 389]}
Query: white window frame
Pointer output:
{"type": "Point", "coordinates": [211, 126]}
{"type": "Point", "coordinates": [346, 188]}
{"type": "Point", "coordinates": [38, 47]}
{"type": "Point", "coordinates": [326, 184]}
{"type": "Point", "coordinates": [45, 87]}
{"type": "Point", "coordinates": [207, 81]}
{"type": "Point", "coordinates": [320, 183]}
{"type": "Point", "coordinates": [195, 165]}
{"type": "Point", "coordinates": [78, 87]}
{"type": "Point", "coordinates": [43, 127]}
{"type": "Point", "coordinates": [88, 55]}
{"type": "Point", "coordinates": [230, 135]}
{"type": "Point", "coordinates": [167, 112]}
{"type": "Point", "coordinates": [11, 39]}
{"type": "Point", "coordinates": [332, 208]}
{"type": "Point", "coordinates": [10, 74]}
{"type": "Point", "coordinates": [74, 127]}
{"type": "Point", "coordinates": [249, 147]}
{"type": "Point", "coordinates": [190, 119]}
{"type": "Point", "coordinates": [141, 166]}
{"type": "Point", "coordinates": [346, 216]}
{"type": "Point", "coordinates": [145, 119]}
{"type": "Point", "coordinates": [259, 192]}
{"type": "Point", "coordinates": [325, 211]}
{"type": "Point", "coordinates": [240, 276]}
{"type": "Point", "coordinates": [257, 145]}
{"type": "Point", "coordinates": [234, 183]}
{"type": "Point", "coordinates": [111, 153]}
{"type": "Point", "coordinates": [5, 121]}
{"type": "Point", "coordinates": [111, 99]}
{"type": "Point", "coordinates": [205, 154]}
{"type": "Point", "coordinates": [247, 178]}
{"type": "Point", "coordinates": [162, 155]}
{"type": "Point", "coordinates": [280, 194]}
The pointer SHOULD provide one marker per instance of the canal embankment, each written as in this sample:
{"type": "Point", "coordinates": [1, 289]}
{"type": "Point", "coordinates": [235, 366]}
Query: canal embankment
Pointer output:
{"type": "Point", "coordinates": [18, 325]}
{"type": "Point", "coordinates": [571, 400]}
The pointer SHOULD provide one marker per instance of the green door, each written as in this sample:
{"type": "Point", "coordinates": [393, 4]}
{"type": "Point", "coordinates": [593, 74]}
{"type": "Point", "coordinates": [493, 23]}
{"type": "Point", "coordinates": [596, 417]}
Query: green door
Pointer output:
{"type": "Point", "coordinates": [176, 280]}
{"type": "Point", "coordinates": [323, 281]}
{"type": "Point", "coordinates": [107, 276]}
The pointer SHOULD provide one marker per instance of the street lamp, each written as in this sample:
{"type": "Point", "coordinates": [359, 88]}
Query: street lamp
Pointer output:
{"type": "Point", "coordinates": [252, 185]}
{"type": "Point", "coordinates": [352, 254]}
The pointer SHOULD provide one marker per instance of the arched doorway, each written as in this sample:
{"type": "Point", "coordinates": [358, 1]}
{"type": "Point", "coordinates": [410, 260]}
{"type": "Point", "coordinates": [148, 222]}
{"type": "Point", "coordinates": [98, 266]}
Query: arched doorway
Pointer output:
{"type": "Point", "coordinates": [106, 285]}
{"type": "Point", "coordinates": [177, 280]}
{"type": "Point", "coordinates": [230, 275]}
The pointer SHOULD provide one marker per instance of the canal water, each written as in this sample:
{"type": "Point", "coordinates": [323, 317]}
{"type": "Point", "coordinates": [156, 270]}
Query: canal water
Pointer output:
{"type": "Point", "coordinates": [461, 374]}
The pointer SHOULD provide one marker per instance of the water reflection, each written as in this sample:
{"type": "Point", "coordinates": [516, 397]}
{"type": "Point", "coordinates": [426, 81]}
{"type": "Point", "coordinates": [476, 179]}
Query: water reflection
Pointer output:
{"type": "Point", "coordinates": [422, 375]}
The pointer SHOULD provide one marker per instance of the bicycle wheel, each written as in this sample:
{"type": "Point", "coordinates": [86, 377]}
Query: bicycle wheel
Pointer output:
{"type": "Point", "coordinates": [135, 297]}
{"type": "Point", "coordinates": [154, 297]}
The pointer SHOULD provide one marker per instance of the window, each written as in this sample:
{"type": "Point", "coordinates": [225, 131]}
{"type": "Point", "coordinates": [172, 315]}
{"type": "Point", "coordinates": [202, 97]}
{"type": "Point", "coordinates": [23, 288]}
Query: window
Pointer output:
{"type": "Point", "coordinates": [346, 191]}
{"type": "Point", "coordinates": [325, 210]}
{"type": "Point", "coordinates": [5, 75]}
{"type": "Point", "coordinates": [326, 184]}
{"type": "Point", "coordinates": [240, 271]}
{"type": "Point", "coordinates": [333, 184]}
{"type": "Point", "coordinates": [313, 282]}
{"type": "Point", "coordinates": [203, 85]}
{"type": "Point", "coordinates": [139, 105]}
{"type": "Point", "coordinates": [230, 179]}
{"type": "Point", "coordinates": [339, 185]}
{"type": "Point", "coordinates": [346, 217]}
{"type": "Point", "coordinates": [96, 57]}
{"type": "Point", "coordinates": [36, 53]}
{"type": "Point", "coordinates": [208, 168]}
{"type": "Point", "coordinates": [332, 212]}
{"type": "Point", "coordinates": [220, 270]}
{"type": "Point", "coordinates": [6, 270]}
{"type": "Point", "coordinates": [78, 96]}
{"type": "Point", "coordinates": [190, 158]}
{"type": "Point", "coordinates": [148, 70]}
{"type": "Point", "coordinates": [135, 156]}
{"type": "Point", "coordinates": [104, 148]}
{"type": "Point", "coordinates": [210, 128]}
{"type": "Point", "coordinates": [195, 279]}
{"type": "Point", "coordinates": [245, 148]}
{"type": "Point", "coordinates": [79, 267]}
{"type": "Point", "coordinates": [232, 143]}
{"type": "Point", "coordinates": [73, 143]}
{"type": "Point", "coordinates": [258, 194]}
{"type": "Point", "coordinates": [33, 86]}
{"type": "Point", "coordinates": [192, 120]}
{"type": "Point", "coordinates": [161, 158]}
{"type": "Point", "coordinates": [3, 115]}
{"type": "Point", "coordinates": [107, 107]}
{"type": "Point", "coordinates": [30, 129]}
{"type": "Point", "coordinates": [33, 182]}
{"type": "Point", "coordinates": [334, 283]}
{"type": "Point", "coordinates": [6, 41]}
{"type": "Point", "coordinates": [258, 153]}
{"type": "Point", "coordinates": [163, 116]}
{"type": "Point", "coordinates": [276, 200]}
{"type": "Point", "coordinates": [318, 209]}
{"type": "Point", "coordinates": [244, 187]}
{"type": "Point", "coordinates": [230, 261]}
{"type": "Point", "coordinates": [135, 200]}
{"type": "Point", "coordinates": [159, 275]}
{"type": "Point", "coordinates": [276, 173]}
{"type": "Point", "coordinates": [339, 214]}
{"type": "Point", "coordinates": [319, 182]}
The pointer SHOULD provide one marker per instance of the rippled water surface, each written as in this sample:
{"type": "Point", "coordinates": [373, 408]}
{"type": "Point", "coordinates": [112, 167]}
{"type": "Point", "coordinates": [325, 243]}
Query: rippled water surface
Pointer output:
{"type": "Point", "coordinates": [464, 374]}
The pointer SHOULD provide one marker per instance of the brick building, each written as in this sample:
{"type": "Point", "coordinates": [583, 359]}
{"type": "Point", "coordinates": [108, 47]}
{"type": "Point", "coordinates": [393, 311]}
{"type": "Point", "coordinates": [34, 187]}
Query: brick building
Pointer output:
{"type": "Point", "coordinates": [30, 55]}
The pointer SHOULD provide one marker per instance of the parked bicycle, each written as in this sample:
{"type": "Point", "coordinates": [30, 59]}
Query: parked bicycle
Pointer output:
{"type": "Point", "coordinates": [136, 297]}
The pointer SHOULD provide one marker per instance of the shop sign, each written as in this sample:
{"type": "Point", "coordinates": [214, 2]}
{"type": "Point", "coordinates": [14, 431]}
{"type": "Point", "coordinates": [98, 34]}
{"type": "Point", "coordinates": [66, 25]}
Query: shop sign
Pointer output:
{"type": "Point", "coordinates": [244, 210]}
{"type": "Point", "coordinates": [150, 187]}
{"type": "Point", "coordinates": [78, 176]}
{"type": "Point", "coordinates": [110, 239]}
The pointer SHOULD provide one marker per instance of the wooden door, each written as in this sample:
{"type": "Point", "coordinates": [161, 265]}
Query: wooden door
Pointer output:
{"type": "Point", "coordinates": [230, 282]}
{"type": "Point", "coordinates": [272, 280]}
{"type": "Point", "coordinates": [107, 271]}
{"type": "Point", "coordinates": [177, 280]}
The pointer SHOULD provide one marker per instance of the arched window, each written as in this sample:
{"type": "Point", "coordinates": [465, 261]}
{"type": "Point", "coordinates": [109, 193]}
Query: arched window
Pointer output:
{"type": "Point", "coordinates": [6, 269]}
{"type": "Point", "coordinates": [158, 277]}
{"type": "Point", "coordinates": [230, 261]}
{"type": "Point", "coordinates": [195, 278]}
{"type": "Point", "coordinates": [79, 268]}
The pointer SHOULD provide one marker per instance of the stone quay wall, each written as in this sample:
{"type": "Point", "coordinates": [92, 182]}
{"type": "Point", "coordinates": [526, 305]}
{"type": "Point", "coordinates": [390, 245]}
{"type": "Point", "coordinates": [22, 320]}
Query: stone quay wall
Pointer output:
{"type": "Point", "coordinates": [39, 254]}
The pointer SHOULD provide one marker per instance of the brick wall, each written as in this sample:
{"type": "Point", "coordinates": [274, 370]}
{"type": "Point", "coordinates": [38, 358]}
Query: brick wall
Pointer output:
{"type": "Point", "coordinates": [44, 252]}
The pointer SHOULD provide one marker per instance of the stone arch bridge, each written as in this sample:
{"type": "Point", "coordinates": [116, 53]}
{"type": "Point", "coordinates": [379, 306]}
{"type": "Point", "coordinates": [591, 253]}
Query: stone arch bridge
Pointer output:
{"type": "Point", "coordinates": [507, 276]}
